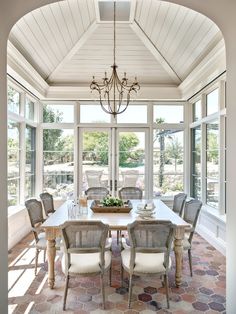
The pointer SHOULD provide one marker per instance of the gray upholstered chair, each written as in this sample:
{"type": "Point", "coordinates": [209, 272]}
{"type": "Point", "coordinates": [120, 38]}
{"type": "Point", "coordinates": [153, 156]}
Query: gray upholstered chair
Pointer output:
{"type": "Point", "coordinates": [47, 201]}
{"type": "Point", "coordinates": [191, 214]}
{"type": "Point", "coordinates": [130, 193]}
{"type": "Point", "coordinates": [149, 251]}
{"type": "Point", "coordinates": [179, 201]}
{"type": "Point", "coordinates": [85, 251]}
{"type": "Point", "coordinates": [35, 211]}
{"type": "Point", "coordinates": [96, 193]}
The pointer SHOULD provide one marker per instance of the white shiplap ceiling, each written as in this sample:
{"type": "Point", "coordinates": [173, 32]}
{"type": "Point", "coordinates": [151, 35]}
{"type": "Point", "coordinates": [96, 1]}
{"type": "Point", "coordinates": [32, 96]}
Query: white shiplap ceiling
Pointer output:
{"type": "Point", "coordinates": [67, 44]}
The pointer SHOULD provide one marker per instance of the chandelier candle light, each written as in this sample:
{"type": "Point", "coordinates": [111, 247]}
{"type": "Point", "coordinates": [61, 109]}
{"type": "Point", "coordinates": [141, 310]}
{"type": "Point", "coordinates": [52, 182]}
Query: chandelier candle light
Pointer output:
{"type": "Point", "coordinates": [114, 94]}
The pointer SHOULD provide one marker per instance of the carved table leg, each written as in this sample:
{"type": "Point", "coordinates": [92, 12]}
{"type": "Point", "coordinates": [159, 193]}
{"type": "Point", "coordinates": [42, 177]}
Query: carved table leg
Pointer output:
{"type": "Point", "coordinates": [51, 253]}
{"type": "Point", "coordinates": [178, 248]}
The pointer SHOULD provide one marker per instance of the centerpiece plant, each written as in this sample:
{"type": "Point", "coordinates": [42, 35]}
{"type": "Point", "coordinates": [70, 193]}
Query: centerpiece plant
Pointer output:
{"type": "Point", "coordinates": [112, 201]}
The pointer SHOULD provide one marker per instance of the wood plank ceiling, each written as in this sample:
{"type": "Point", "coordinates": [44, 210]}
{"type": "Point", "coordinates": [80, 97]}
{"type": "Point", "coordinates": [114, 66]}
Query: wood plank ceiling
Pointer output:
{"type": "Point", "coordinates": [67, 44]}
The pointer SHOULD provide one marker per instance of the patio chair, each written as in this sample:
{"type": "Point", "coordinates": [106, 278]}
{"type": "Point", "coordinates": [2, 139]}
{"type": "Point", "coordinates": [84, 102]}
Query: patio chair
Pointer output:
{"type": "Point", "coordinates": [93, 178]}
{"type": "Point", "coordinates": [178, 205]}
{"type": "Point", "coordinates": [35, 212]}
{"type": "Point", "coordinates": [96, 193]}
{"type": "Point", "coordinates": [130, 177]}
{"type": "Point", "coordinates": [191, 214]}
{"type": "Point", "coordinates": [84, 251]}
{"type": "Point", "coordinates": [149, 251]}
{"type": "Point", "coordinates": [47, 201]}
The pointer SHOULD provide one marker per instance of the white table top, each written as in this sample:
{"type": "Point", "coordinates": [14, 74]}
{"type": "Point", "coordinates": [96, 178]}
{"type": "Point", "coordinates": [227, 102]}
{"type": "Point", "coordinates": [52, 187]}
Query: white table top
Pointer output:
{"type": "Point", "coordinates": [116, 221]}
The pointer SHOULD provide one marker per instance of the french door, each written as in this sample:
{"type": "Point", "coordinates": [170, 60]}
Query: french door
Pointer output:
{"type": "Point", "coordinates": [113, 157]}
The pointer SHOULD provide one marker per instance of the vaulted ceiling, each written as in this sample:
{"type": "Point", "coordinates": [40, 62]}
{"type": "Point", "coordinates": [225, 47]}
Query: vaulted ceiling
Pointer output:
{"type": "Point", "coordinates": [161, 43]}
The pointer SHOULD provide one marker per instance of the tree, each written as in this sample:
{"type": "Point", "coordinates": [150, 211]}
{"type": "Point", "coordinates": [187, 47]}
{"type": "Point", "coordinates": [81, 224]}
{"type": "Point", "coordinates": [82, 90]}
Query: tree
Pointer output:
{"type": "Point", "coordinates": [174, 150]}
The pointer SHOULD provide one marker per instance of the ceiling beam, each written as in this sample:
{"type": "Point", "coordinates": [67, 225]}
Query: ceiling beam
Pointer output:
{"type": "Point", "coordinates": [156, 53]}
{"type": "Point", "coordinates": [73, 51]}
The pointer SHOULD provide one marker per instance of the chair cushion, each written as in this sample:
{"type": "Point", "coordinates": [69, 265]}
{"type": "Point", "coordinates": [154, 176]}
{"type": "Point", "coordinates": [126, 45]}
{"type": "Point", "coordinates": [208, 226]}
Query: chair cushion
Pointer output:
{"type": "Point", "coordinates": [86, 263]}
{"type": "Point", "coordinates": [145, 262]}
{"type": "Point", "coordinates": [42, 242]}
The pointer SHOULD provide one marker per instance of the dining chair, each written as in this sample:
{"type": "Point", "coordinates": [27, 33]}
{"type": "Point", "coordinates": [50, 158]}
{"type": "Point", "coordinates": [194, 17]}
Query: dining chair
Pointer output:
{"type": "Point", "coordinates": [85, 251]}
{"type": "Point", "coordinates": [178, 205]}
{"type": "Point", "coordinates": [191, 213]}
{"type": "Point", "coordinates": [96, 193]}
{"type": "Point", "coordinates": [47, 201]}
{"type": "Point", "coordinates": [35, 212]}
{"type": "Point", "coordinates": [149, 251]}
{"type": "Point", "coordinates": [93, 178]}
{"type": "Point", "coordinates": [130, 193]}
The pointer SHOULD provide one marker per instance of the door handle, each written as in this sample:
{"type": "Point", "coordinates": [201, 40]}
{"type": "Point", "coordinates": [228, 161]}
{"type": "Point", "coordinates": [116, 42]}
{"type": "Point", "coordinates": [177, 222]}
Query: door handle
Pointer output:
{"type": "Point", "coordinates": [110, 185]}
{"type": "Point", "coordinates": [115, 185]}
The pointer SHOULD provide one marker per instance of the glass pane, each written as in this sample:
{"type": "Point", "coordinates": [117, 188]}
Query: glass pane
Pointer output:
{"type": "Point", "coordinates": [131, 159]}
{"type": "Point", "coordinates": [13, 100]}
{"type": "Point", "coordinates": [93, 114]}
{"type": "Point", "coordinates": [212, 101]}
{"type": "Point", "coordinates": [30, 162]}
{"type": "Point", "coordinates": [168, 114]}
{"type": "Point", "coordinates": [212, 193]}
{"type": "Point", "coordinates": [212, 150]}
{"type": "Point", "coordinates": [168, 162]}
{"type": "Point", "coordinates": [13, 163]}
{"type": "Point", "coordinates": [133, 114]}
{"type": "Point", "coordinates": [29, 109]}
{"type": "Point", "coordinates": [196, 193]}
{"type": "Point", "coordinates": [197, 110]}
{"type": "Point", "coordinates": [58, 157]}
{"type": "Point", "coordinates": [95, 159]}
{"type": "Point", "coordinates": [55, 113]}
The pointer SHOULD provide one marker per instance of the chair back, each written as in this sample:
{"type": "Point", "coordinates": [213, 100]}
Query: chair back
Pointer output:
{"type": "Point", "coordinates": [130, 193]}
{"type": "Point", "coordinates": [96, 193]}
{"type": "Point", "coordinates": [93, 178]}
{"type": "Point", "coordinates": [178, 204]}
{"type": "Point", "coordinates": [191, 214]}
{"type": "Point", "coordinates": [47, 201]}
{"type": "Point", "coordinates": [153, 236]}
{"type": "Point", "coordinates": [130, 177]}
{"type": "Point", "coordinates": [35, 211]}
{"type": "Point", "coordinates": [84, 237]}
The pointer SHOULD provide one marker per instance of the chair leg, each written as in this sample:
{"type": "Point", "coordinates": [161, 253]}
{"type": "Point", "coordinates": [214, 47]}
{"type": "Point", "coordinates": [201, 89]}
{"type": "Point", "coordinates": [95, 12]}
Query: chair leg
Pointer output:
{"type": "Point", "coordinates": [117, 236]}
{"type": "Point", "coordinates": [167, 290]}
{"type": "Point", "coordinates": [36, 261]}
{"type": "Point", "coordinates": [65, 292]}
{"type": "Point", "coordinates": [121, 275]}
{"type": "Point", "coordinates": [44, 256]}
{"type": "Point", "coordinates": [130, 290]}
{"type": "Point", "coordinates": [110, 275]}
{"type": "Point", "coordinates": [109, 233]}
{"type": "Point", "coordinates": [103, 291]}
{"type": "Point", "coordinates": [190, 262]}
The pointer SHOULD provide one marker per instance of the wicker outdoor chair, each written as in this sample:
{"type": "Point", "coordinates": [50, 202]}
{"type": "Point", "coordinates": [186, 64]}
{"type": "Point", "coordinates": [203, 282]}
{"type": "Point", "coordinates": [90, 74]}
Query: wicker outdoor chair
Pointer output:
{"type": "Point", "coordinates": [35, 211]}
{"type": "Point", "coordinates": [85, 251]}
{"type": "Point", "coordinates": [191, 213]}
{"type": "Point", "coordinates": [96, 193]}
{"type": "Point", "coordinates": [178, 205]}
{"type": "Point", "coordinates": [149, 251]}
{"type": "Point", "coordinates": [47, 201]}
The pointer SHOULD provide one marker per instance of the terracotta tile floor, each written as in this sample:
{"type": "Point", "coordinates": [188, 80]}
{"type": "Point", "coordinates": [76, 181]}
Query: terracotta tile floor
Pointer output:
{"type": "Point", "coordinates": [202, 293]}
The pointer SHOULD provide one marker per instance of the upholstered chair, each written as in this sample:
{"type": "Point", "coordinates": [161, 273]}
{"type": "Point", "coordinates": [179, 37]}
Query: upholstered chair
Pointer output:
{"type": "Point", "coordinates": [178, 205]}
{"type": "Point", "coordinates": [85, 252]}
{"type": "Point", "coordinates": [130, 193]}
{"type": "Point", "coordinates": [96, 193]}
{"type": "Point", "coordinates": [47, 201]}
{"type": "Point", "coordinates": [149, 251]}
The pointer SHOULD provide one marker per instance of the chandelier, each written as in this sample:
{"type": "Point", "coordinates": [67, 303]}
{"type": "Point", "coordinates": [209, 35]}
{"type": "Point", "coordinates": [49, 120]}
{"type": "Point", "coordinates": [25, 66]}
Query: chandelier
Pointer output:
{"type": "Point", "coordinates": [114, 93]}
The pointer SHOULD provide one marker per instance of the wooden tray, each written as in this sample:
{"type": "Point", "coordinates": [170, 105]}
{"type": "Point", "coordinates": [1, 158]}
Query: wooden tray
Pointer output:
{"type": "Point", "coordinates": [97, 207]}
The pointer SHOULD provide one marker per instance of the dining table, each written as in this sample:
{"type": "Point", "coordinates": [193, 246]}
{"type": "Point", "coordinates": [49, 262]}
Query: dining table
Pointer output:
{"type": "Point", "coordinates": [116, 221]}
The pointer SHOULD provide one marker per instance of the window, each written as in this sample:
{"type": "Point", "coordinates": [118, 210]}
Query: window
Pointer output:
{"type": "Point", "coordinates": [58, 161]}
{"type": "Point", "coordinates": [55, 113]}
{"type": "Point", "coordinates": [13, 163]}
{"type": "Point", "coordinates": [29, 109]}
{"type": "Point", "coordinates": [168, 113]}
{"type": "Point", "coordinates": [196, 163]}
{"type": "Point", "coordinates": [30, 162]}
{"type": "Point", "coordinates": [93, 113]}
{"type": "Point", "coordinates": [133, 114]}
{"type": "Point", "coordinates": [212, 102]}
{"type": "Point", "coordinates": [13, 100]}
{"type": "Point", "coordinates": [167, 162]}
{"type": "Point", "coordinates": [212, 165]}
{"type": "Point", "coordinates": [197, 110]}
